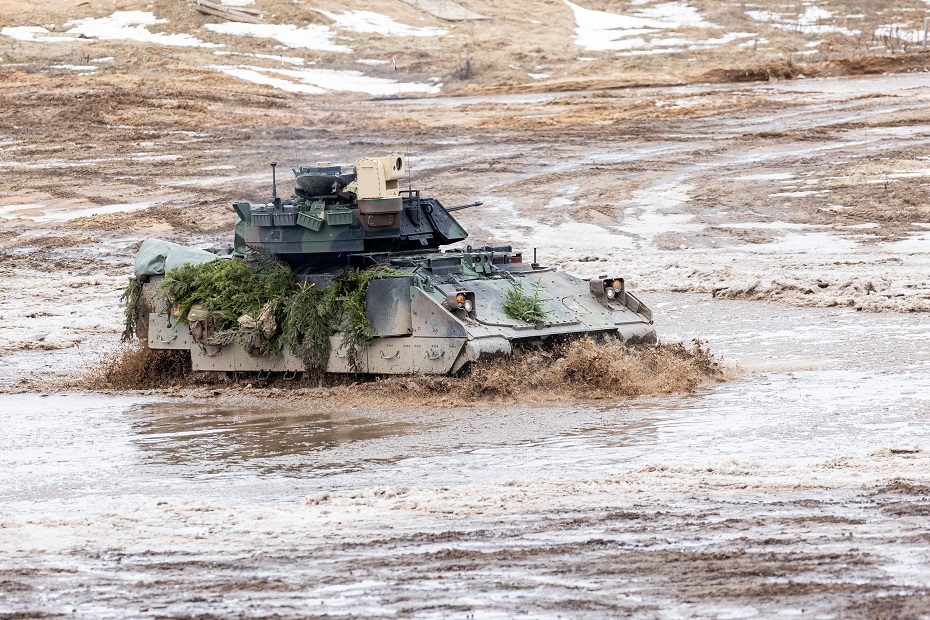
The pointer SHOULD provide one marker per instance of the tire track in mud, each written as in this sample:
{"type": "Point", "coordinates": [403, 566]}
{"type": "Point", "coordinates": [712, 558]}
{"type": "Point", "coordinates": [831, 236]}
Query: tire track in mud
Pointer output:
{"type": "Point", "coordinates": [709, 556]}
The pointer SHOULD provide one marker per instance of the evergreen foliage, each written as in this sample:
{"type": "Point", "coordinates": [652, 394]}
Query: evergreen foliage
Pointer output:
{"type": "Point", "coordinates": [305, 315]}
{"type": "Point", "coordinates": [524, 307]}
{"type": "Point", "coordinates": [131, 298]}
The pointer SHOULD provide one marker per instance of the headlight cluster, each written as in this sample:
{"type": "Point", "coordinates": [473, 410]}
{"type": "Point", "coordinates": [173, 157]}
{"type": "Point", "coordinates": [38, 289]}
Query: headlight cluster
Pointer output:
{"type": "Point", "coordinates": [461, 300]}
{"type": "Point", "coordinates": [607, 287]}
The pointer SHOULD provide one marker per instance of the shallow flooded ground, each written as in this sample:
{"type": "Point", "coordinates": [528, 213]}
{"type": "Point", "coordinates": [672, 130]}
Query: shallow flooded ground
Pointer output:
{"type": "Point", "coordinates": [801, 487]}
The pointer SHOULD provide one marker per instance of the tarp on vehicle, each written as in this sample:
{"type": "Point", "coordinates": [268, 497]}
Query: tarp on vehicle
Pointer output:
{"type": "Point", "coordinates": [155, 257]}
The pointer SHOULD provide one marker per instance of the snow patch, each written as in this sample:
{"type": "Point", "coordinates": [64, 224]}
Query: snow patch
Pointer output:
{"type": "Point", "coordinates": [768, 226]}
{"type": "Point", "coordinates": [376, 23]}
{"type": "Point", "coordinates": [131, 26]}
{"type": "Point", "coordinates": [799, 194]}
{"type": "Point", "coordinates": [676, 15]}
{"type": "Point", "coordinates": [33, 33]}
{"type": "Point", "coordinates": [46, 213]}
{"type": "Point", "coordinates": [657, 210]}
{"type": "Point", "coordinates": [76, 67]}
{"type": "Point", "coordinates": [768, 176]}
{"type": "Point", "coordinates": [811, 21]}
{"type": "Point", "coordinates": [897, 32]}
{"type": "Point", "coordinates": [645, 32]}
{"type": "Point", "coordinates": [319, 81]}
{"type": "Point", "coordinates": [255, 75]}
{"type": "Point", "coordinates": [910, 174]}
{"type": "Point", "coordinates": [311, 36]}
{"type": "Point", "coordinates": [819, 243]}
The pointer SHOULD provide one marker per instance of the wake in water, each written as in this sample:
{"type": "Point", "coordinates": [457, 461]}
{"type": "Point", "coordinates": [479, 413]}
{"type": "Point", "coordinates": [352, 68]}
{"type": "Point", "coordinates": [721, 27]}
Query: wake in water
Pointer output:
{"type": "Point", "coordinates": [581, 369]}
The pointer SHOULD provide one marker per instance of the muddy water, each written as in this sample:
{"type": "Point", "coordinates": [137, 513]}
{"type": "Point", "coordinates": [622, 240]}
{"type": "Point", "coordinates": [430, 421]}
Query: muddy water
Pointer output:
{"type": "Point", "coordinates": [802, 486]}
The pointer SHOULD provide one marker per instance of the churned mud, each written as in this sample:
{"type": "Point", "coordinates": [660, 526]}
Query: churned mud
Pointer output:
{"type": "Point", "coordinates": [579, 370]}
{"type": "Point", "coordinates": [800, 486]}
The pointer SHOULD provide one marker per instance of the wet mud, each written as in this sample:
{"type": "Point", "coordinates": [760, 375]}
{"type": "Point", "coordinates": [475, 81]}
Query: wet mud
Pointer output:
{"type": "Point", "coordinates": [799, 486]}
{"type": "Point", "coordinates": [563, 372]}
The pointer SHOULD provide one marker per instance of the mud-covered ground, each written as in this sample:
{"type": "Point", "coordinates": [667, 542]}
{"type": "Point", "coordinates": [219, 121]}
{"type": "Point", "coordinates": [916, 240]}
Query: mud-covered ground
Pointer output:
{"type": "Point", "coordinates": [783, 221]}
{"type": "Point", "coordinates": [806, 191]}
{"type": "Point", "coordinates": [800, 487]}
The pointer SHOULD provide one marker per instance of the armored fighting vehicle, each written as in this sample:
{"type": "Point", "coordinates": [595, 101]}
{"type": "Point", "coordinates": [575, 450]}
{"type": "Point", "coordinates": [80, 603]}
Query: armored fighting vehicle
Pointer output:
{"type": "Point", "coordinates": [434, 311]}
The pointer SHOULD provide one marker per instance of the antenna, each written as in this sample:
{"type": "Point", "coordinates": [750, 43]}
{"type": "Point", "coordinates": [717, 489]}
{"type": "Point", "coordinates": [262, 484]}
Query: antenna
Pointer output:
{"type": "Point", "coordinates": [403, 116]}
{"type": "Point", "coordinates": [274, 183]}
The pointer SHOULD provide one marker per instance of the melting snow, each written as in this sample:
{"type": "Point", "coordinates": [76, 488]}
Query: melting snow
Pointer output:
{"type": "Point", "coordinates": [675, 15]}
{"type": "Point", "coordinates": [319, 81]}
{"type": "Point", "coordinates": [376, 23]}
{"type": "Point", "coordinates": [646, 29]}
{"type": "Point", "coordinates": [901, 33]}
{"type": "Point", "coordinates": [76, 67]}
{"type": "Point", "coordinates": [255, 75]}
{"type": "Point", "coordinates": [656, 210]}
{"type": "Point", "coordinates": [808, 22]}
{"type": "Point", "coordinates": [33, 33]}
{"type": "Point", "coordinates": [799, 194]}
{"type": "Point", "coordinates": [821, 243]}
{"type": "Point", "coordinates": [311, 36]}
{"type": "Point", "coordinates": [371, 61]}
{"type": "Point", "coordinates": [132, 26]}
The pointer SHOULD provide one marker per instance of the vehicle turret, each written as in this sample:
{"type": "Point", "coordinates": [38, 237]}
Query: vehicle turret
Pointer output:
{"type": "Point", "coordinates": [335, 212]}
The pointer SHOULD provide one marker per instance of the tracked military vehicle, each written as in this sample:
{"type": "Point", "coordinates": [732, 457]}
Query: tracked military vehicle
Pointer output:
{"type": "Point", "coordinates": [434, 311]}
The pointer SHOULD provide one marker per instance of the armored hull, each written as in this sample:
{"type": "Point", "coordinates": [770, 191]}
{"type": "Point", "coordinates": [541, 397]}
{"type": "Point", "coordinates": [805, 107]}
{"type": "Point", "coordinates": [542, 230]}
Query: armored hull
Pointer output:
{"type": "Point", "coordinates": [437, 312]}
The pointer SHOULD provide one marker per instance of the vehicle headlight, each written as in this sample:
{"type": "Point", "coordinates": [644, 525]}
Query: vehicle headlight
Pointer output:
{"type": "Point", "coordinates": [461, 300]}
{"type": "Point", "coordinates": [607, 288]}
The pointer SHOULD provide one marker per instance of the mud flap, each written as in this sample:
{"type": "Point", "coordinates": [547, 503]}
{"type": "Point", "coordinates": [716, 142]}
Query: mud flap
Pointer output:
{"type": "Point", "coordinates": [491, 346]}
{"type": "Point", "coordinates": [163, 334]}
{"type": "Point", "coordinates": [636, 333]}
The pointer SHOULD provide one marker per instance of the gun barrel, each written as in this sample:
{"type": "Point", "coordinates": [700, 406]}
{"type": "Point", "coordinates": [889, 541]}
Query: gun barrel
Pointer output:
{"type": "Point", "coordinates": [468, 206]}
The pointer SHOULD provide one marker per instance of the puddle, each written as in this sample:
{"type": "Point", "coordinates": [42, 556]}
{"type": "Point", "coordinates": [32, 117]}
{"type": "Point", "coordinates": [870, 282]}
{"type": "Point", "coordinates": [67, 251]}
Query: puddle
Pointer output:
{"type": "Point", "coordinates": [277, 439]}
